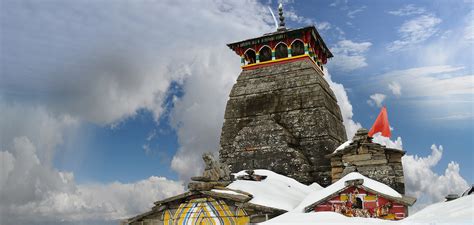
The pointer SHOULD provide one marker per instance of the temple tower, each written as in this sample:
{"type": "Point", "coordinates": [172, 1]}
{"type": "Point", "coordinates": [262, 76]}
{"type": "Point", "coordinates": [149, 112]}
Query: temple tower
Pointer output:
{"type": "Point", "coordinates": [281, 114]}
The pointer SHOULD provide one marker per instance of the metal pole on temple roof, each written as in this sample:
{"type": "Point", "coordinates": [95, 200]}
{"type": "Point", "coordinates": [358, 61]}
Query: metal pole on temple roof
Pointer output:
{"type": "Point", "coordinates": [281, 26]}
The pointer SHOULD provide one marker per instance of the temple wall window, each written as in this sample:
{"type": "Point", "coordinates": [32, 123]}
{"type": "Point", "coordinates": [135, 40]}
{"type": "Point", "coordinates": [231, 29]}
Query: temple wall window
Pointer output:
{"type": "Point", "coordinates": [250, 56]}
{"type": "Point", "coordinates": [297, 48]}
{"type": "Point", "coordinates": [281, 51]}
{"type": "Point", "coordinates": [265, 53]}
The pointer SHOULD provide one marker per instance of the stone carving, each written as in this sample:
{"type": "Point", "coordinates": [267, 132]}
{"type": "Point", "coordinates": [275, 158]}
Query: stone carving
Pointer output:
{"type": "Point", "coordinates": [283, 118]}
{"type": "Point", "coordinates": [215, 174]}
{"type": "Point", "coordinates": [214, 170]}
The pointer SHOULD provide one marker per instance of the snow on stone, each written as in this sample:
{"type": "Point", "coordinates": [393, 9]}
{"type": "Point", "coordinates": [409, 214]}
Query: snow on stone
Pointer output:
{"type": "Point", "coordinates": [276, 191]}
{"type": "Point", "coordinates": [340, 184]}
{"type": "Point", "coordinates": [379, 139]}
{"type": "Point", "coordinates": [230, 192]}
{"type": "Point", "coordinates": [459, 212]}
{"type": "Point", "coordinates": [343, 146]}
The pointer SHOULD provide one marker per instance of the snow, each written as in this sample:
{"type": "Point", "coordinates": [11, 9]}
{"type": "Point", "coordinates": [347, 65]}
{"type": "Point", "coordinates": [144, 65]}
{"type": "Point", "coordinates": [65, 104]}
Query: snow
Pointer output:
{"type": "Point", "coordinates": [320, 218]}
{"type": "Point", "coordinates": [459, 212]}
{"type": "Point", "coordinates": [340, 184]}
{"type": "Point", "coordinates": [343, 146]}
{"type": "Point", "coordinates": [315, 186]}
{"type": "Point", "coordinates": [227, 192]}
{"type": "Point", "coordinates": [276, 191]}
{"type": "Point", "coordinates": [379, 139]}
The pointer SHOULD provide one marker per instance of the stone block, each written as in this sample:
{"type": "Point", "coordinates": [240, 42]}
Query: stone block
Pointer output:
{"type": "Point", "coordinates": [356, 158]}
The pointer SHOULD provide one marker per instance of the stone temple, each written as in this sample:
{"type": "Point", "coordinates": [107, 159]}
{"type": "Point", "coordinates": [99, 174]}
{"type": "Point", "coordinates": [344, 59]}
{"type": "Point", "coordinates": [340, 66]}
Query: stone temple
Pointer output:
{"type": "Point", "coordinates": [281, 114]}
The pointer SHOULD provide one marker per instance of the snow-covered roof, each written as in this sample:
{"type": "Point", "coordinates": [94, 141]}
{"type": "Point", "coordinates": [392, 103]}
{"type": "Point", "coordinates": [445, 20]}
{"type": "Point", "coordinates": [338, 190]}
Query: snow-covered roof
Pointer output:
{"type": "Point", "coordinates": [339, 185]}
{"type": "Point", "coordinates": [276, 191]}
{"type": "Point", "coordinates": [378, 139]}
{"type": "Point", "coordinates": [459, 211]}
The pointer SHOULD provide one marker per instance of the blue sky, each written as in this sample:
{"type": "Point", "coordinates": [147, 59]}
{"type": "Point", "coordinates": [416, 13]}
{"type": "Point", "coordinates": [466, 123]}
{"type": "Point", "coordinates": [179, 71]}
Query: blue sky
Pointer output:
{"type": "Point", "coordinates": [99, 97]}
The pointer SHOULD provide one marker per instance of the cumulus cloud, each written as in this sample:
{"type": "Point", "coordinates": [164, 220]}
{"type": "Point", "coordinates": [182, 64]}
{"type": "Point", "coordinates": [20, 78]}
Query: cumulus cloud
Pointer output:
{"type": "Point", "coordinates": [344, 104]}
{"type": "Point", "coordinates": [349, 55]}
{"type": "Point", "coordinates": [386, 141]}
{"type": "Point", "coordinates": [33, 191]}
{"type": "Point", "coordinates": [104, 63]}
{"type": "Point", "coordinates": [395, 88]}
{"type": "Point", "coordinates": [428, 186]}
{"type": "Point", "coordinates": [376, 99]}
{"type": "Point", "coordinates": [415, 31]}
{"type": "Point", "coordinates": [408, 10]}
{"type": "Point", "coordinates": [112, 64]}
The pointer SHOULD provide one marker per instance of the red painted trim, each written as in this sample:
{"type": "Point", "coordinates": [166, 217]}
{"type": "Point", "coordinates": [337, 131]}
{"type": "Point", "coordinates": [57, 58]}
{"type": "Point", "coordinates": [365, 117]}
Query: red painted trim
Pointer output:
{"type": "Point", "coordinates": [256, 66]}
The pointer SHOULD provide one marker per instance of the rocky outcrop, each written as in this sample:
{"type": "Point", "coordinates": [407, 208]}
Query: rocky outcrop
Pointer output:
{"type": "Point", "coordinates": [283, 118]}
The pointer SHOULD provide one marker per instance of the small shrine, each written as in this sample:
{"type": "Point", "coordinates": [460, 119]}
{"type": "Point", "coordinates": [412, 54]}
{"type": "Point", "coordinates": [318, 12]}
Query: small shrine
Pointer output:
{"type": "Point", "coordinates": [210, 200]}
{"type": "Point", "coordinates": [371, 159]}
{"type": "Point", "coordinates": [356, 195]}
{"type": "Point", "coordinates": [282, 45]}
{"type": "Point", "coordinates": [375, 160]}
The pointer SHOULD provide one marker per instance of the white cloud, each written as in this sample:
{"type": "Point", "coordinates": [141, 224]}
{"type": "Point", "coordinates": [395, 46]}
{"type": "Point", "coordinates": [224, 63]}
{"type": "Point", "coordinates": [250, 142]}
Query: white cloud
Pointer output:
{"type": "Point", "coordinates": [32, 190]}
{"type": "Point", "coordinates": [432, 81]}
{"type": "Point", "coordinates": [415, 31]}
{"type": "Point", "coordinates": [351, 14]}
{"type": "Point", "coordinates": [376, 99]}
{"type": "Point", "coordinates": [344, 104]}
{"type": "Point", "coordinates": [349, 55]}
{"type": "Point", "coordinates": [323, 26]}
{"type": "Point", "coordinates": [291, 14]}
{"type": "Point", "coordinates": [439, 93]}
{"type": "Point", "coordinates": [386, 141]}
{"type": "Point", "coordinates": [103, 69]}
{"type": "Point", "coordinates": [122, 63]}
{"type": "Point", "coordinates": [395, 88]}
{"type": "Point", "coordinates": [459, 116]}
{"type": "Point", "coordinates": [408, 10]}
{"type": "Point", "coordinates": [468, 32]}
{"type": "Point", "coordinates": [424, 184]}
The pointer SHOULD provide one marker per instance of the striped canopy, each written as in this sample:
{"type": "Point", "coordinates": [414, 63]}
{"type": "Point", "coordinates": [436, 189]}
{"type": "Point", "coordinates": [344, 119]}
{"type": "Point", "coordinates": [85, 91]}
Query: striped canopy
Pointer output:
{"type": "Point", "coordinates": [206, 211]}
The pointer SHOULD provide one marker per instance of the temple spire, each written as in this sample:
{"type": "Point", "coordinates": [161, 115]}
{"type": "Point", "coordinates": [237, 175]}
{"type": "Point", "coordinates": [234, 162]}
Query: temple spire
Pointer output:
{"type": "Point", "coordinates": [281, 26]}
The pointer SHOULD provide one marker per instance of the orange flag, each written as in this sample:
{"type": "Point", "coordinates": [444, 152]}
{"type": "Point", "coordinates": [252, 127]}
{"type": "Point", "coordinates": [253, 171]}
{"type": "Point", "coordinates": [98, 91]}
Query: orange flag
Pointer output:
{"type": "Point", "coordinates": [381, 124]}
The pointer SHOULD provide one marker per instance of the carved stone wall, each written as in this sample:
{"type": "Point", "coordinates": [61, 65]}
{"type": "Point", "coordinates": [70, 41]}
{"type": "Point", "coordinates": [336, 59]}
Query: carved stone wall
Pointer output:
{"type": "Point", "coordinates": [284, 118]}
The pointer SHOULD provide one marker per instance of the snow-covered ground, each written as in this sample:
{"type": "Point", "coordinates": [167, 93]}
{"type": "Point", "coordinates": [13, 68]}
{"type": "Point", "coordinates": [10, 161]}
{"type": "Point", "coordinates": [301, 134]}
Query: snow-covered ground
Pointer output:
{"type": "Point", "coordinates": [456, 212]}
{"type": "Point", "coordinates": [275, 191]}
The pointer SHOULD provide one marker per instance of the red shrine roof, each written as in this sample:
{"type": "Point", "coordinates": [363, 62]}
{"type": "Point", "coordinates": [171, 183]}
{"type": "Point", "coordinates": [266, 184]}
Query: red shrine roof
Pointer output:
{"type": "Point", "coordinates": [308, 32]}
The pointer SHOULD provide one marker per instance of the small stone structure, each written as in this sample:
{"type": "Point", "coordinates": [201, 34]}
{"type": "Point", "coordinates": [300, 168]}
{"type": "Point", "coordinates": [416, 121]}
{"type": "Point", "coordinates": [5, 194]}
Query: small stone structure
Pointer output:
{"type": "Point", "coordinates": [215, 174]}
{"type": "Point", "coordinates": [369, 159]}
